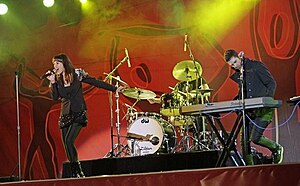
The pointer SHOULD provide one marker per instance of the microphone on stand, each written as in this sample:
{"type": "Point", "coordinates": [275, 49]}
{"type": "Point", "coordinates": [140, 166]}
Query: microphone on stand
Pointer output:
{"type": "Point", "coordinates": [185, 42]}
{"type": "Point", "coordinates": [48, 73]}
{"type": "Point", "coordinates": [128, 60]}
{"type": "Point", "coordinates": [241, 54]}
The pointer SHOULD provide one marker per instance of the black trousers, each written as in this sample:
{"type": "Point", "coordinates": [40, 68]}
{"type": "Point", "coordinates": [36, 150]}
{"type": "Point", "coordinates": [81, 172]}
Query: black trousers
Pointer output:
{"type": "Point", "coordinates": [69, 135]}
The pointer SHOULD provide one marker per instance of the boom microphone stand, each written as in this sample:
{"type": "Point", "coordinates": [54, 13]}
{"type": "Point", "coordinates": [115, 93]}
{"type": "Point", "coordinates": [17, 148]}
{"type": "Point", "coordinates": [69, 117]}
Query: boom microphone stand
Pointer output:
{"type": "Point", "coordinates": [196, 69]}
{"type": "Point", "coordinates": [197, 89]}
{"type": "Point", "coordinates": [117, 111]}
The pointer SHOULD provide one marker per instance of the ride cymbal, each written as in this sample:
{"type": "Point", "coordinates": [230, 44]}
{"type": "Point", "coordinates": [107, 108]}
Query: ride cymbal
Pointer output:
{"type": "Point", "coordinates": [187, 70]}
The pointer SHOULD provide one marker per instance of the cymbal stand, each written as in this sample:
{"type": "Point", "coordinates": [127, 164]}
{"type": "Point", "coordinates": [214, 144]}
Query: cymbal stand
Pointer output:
{"type": "Point", "coordinates": [125, 149]}
{"type": "Point", "coordinates": [185, 141]}
{"type": "Point", "coordinates": [184, 144]}
{"type": "Point", "coordinates": [187, 137]}
{"type": "Point", "coordinates": [120, 148]}
{"type": "Point", "coordinates": [118, 116]}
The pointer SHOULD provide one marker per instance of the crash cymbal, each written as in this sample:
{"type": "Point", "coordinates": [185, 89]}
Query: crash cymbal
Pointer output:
{"type": "Point", "coordinates": [137, 93]}
{"type": "Point", "coordinates": [186, 70]}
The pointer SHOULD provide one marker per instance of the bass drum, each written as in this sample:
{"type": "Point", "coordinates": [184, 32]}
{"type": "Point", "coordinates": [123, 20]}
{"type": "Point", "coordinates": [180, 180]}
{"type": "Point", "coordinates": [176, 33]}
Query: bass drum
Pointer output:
{"type": "Point", "coordinates": [151, 136]}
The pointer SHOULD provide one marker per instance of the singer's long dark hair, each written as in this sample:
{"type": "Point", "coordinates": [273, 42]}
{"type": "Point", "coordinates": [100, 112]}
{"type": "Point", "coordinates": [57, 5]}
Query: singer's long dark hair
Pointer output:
{"type": "Point", "coordinates": [69, 68]}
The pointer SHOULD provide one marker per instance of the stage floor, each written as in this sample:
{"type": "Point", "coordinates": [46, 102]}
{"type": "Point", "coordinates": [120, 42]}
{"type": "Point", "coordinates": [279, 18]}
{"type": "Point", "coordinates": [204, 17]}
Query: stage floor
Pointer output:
{"type": "Point", "coordinates": [258, 175]}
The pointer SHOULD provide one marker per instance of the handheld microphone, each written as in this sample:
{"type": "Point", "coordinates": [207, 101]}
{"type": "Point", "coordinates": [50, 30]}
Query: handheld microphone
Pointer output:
{"type": "Point", "coordinates": [185, 42]}
{"type": "Point", "coordinates": [128, 60]}
{"type": "Point", "coordinates": [48, 73]}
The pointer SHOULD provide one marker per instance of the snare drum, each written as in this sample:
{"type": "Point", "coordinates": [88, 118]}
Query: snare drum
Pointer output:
{"type": "Point", "coordinates": [162, 136]}
{"type": "Point", "coordinates": [170, 104]}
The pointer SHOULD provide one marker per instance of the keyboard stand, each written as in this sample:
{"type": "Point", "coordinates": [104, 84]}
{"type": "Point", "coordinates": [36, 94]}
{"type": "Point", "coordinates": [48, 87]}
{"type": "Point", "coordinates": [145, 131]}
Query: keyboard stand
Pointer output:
{"type": "Point", "coordinates": [228, 141]}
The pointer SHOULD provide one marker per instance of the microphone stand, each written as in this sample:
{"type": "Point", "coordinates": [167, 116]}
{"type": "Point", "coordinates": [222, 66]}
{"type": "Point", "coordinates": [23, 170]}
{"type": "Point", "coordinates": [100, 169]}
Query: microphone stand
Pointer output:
{"type": "Point", "coordinates": [197, 91]}
{"type": "Point", "coordinates": [117, 111]}
{"type": "Point", "coordinates": [246, 147]}
{"type": "Point", "coordinates": [18, 124]}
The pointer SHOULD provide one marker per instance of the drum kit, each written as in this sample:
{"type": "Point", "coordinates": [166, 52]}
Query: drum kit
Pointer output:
{"type": "Point", "coordinates": [169, 131]}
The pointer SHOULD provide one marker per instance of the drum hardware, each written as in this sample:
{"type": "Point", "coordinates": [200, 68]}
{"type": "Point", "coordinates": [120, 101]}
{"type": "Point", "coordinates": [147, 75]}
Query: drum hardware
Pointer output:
{"type": "Point", "coordinates": [117, 79]}
{"type": "Point", "coordinates": [189, 142]}
{"type": "Point", "coordinates": [198, 92]}
{"type": "Point", "coordinates": [210, 142]}
{"type": "Point", "coordinates": [201, 91]}
{"type": "Point", "coordinates": [110, 77]}
{"type": "Point", "coordinates": [171, 102]}
{"type": "Point", "coordinates": [117, 146]}
{"type": "Point", "coordinates": [138, 94]}
{"type": "Point", "coordinates": [184, 143]}
{"type": "Point", "coordinates": [186, 94]}
{"type": "Point", "coordinates": [135, 138]}
{"type": "Point", "coordinates": [124, 149]}
{"type": "Point", "coordinates": [118, 124]}
{"type": "Point", "coordinates": [130, 112]}
{"type": "Point", "coordinates": [203, 99]}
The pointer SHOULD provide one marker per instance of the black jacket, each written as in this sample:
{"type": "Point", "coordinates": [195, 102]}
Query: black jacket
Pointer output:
{"type": "Point", "coordinates": [72, 99]}
{"type": "Point", "coordinates": [258, 80]}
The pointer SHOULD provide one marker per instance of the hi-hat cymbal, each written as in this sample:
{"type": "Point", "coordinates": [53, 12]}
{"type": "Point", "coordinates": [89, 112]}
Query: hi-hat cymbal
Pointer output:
{"type": "Point", "coordinates": [137, 93]}
{"type": "Point", "coordinates": [187, 70]}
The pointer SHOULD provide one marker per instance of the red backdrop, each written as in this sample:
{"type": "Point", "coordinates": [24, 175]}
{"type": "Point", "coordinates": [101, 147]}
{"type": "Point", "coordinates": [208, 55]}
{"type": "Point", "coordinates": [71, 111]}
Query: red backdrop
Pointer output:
{"type": "Point", "coordinates": [153, 32]}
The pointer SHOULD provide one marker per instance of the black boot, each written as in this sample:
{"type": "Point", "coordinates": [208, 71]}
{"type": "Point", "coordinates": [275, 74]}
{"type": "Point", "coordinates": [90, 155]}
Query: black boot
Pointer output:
{"type": "Point", "coordinates": [76, 170]}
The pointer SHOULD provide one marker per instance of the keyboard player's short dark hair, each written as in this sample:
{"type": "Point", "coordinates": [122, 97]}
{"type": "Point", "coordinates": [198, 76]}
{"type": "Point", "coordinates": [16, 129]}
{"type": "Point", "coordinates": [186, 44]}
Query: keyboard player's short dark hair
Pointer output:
{"type": "Point", "coordinates": [228, 54]}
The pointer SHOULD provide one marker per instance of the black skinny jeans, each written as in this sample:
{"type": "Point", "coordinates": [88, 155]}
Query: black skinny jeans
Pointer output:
{"type": "Point", "coordinates": [69, 135]}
